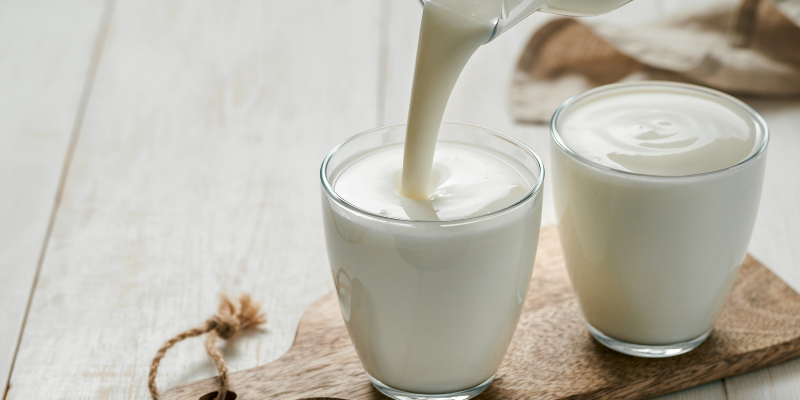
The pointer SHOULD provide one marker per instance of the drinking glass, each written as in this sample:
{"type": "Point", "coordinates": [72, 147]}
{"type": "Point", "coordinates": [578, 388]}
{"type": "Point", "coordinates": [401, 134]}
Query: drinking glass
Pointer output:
{"type": "Point", "coordinates": [431, 306]}
{"type": "Point", "coordinates": [653, 258]}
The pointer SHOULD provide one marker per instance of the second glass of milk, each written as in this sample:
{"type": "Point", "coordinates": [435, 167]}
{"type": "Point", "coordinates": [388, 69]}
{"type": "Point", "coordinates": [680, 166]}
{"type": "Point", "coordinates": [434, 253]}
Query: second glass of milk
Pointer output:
{"type": "Point", "coordinates": [431, 303]}
{"type": "Point", "coordinates": [656, 189]}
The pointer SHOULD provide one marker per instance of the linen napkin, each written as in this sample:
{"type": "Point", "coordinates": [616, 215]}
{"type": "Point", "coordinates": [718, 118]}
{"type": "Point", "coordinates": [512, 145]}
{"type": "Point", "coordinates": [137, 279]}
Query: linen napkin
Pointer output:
{"type": "Point", "coordinates": [749, 47]}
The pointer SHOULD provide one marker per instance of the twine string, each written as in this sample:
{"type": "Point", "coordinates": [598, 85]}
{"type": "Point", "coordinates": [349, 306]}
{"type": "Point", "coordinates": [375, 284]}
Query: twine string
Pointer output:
{"type": "Point", "coordinates": [229, 321]}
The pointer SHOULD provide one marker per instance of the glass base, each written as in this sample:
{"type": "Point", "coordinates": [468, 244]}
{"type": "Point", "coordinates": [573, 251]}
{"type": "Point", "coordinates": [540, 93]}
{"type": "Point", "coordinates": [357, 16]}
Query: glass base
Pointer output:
{"type": "Point", "coordinates": [646, 351]}
{"type": "Point", "coordinates": [402, 395]}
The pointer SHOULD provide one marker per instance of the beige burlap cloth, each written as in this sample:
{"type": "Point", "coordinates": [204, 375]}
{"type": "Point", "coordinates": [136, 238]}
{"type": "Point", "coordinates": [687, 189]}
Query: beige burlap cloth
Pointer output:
{"type": "Point", "coordinates": [749, 47]}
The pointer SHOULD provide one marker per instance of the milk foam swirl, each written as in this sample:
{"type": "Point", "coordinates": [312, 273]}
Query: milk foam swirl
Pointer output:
{"type": "Point", "coordinates": [657, 132]}
{"type": "Point", "coordinates": [466, 181]}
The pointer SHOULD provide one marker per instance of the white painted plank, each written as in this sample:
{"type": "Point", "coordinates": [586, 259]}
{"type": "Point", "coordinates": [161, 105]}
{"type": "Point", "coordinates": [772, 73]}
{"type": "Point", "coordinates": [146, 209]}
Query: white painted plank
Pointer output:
{"type": "Point", "coordinates": [775, 240]}
{"type": "Point", "coordinates": [196, 173]}
{"type": "Point", "coordinates": [45, 53]}
{"type": "Point", "coordinates": [776, 383]}
{"type": "Point", "coordinates": [777, 232]}
{"type": "Point", "coordinates": [710, 391]}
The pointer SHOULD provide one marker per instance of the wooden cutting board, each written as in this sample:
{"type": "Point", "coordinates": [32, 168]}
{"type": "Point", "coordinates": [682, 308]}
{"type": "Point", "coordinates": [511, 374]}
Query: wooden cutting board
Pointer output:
{"type": "Point", "coordinates": [552, 355]}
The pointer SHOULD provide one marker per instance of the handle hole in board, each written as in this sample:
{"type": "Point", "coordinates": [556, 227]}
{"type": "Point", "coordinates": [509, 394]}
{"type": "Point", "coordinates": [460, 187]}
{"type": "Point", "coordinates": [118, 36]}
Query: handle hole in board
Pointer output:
{"type": "Point", "coordinates": [213, 395]}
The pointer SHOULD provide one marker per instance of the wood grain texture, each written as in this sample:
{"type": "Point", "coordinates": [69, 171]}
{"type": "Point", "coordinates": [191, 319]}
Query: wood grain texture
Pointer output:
{"type": "Point", "coordinates": [196, 172]}
{"type": "Point", "coordinates": [45, 54]}
{"type": "Point", "coordinates": [552, 355]}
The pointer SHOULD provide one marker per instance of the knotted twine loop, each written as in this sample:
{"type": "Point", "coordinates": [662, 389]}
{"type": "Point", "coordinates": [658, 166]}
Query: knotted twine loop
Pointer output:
{"type": "Point", "coordinates": [227, 323]}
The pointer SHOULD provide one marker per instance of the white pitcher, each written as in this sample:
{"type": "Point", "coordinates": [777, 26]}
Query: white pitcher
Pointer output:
{"type": "Point", "coordinates": [509, 12]}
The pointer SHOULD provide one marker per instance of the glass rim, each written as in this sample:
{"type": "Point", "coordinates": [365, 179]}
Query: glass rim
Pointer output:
{"type": "Point", "coordinates": [758, 120]}
{"type": "Point", "coordinates": [331, 192]}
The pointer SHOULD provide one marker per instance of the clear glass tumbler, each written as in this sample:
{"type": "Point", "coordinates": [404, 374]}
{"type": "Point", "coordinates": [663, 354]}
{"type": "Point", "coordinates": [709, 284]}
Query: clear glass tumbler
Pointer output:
{"type": "Point", "coordinates": [431, 306]}
{"type": "Point", "coordinates": [653, 258]}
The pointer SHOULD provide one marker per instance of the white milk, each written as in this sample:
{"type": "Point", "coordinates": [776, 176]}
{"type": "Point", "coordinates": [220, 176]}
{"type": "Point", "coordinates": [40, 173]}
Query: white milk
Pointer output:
{"type": "Point", "coordinates": [466, 181]}
{"type": "Point", "coordinates": [653, 258]}
{"type": "Point", "coordinates": [451, 31]}
{"type": "Point", "coordinates": [659, 132]}
{"type": "Point", "coordinates": [431, 306]}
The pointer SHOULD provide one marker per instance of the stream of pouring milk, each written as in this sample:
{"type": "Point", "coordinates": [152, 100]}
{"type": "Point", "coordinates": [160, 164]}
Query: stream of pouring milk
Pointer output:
{"type": "Point", "coordinates": [451, 31]}
{"type": "Point", "coordinates": [466, 181]}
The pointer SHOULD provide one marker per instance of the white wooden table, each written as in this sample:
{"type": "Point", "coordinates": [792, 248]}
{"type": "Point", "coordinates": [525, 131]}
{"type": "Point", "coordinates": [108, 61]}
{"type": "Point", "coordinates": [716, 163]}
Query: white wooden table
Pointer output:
{"type": "Point", "coordinates": [155, 153]}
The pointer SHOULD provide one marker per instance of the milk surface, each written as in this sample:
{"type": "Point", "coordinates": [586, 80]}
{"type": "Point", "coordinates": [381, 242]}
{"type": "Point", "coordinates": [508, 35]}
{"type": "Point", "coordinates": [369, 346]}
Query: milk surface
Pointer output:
{"type": "Point", "coordinates": [653, 258]}
{"type": "Point", "coordinates": [466, 181]}
{"type": "Point", "coordinates": [659, 132]}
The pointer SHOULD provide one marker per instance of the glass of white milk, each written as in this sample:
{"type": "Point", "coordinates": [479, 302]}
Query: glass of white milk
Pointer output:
{"type": "Point", "coordinates": [431, 290]}
{"type": "Point", "coordinates": [656, 189]}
